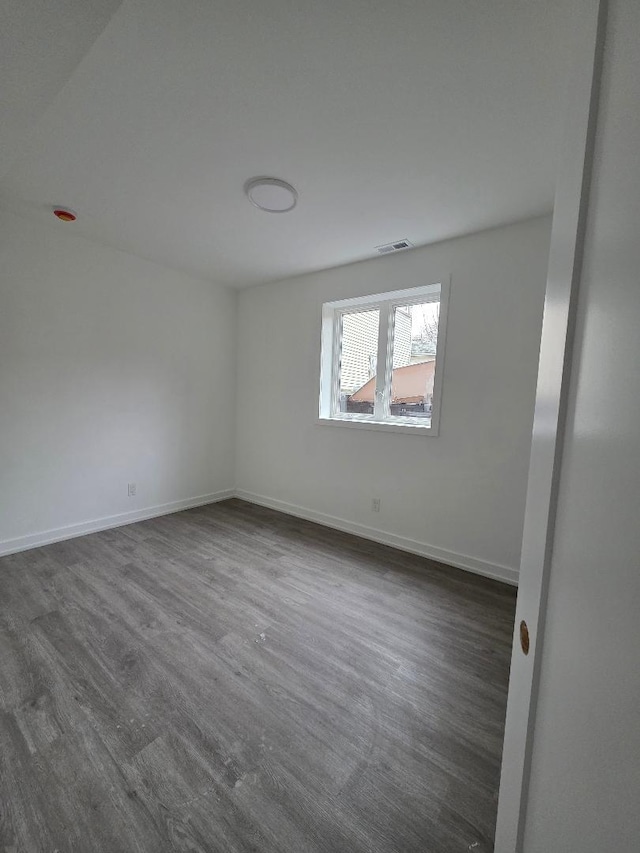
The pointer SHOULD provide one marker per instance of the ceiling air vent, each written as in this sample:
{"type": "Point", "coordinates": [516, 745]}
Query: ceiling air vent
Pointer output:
{"type": "Point", "coordinates": [398, 246]}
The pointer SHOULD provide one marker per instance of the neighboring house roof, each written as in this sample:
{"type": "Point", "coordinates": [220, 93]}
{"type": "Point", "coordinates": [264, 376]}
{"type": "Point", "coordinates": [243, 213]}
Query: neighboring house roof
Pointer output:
{"type": "Point", "coordinates": [410, 384]}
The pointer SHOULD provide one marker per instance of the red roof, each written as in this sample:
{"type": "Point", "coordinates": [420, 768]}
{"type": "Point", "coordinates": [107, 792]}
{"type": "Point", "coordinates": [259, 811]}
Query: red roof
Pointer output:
{"type": "Point", "coordinates": [410, 384]}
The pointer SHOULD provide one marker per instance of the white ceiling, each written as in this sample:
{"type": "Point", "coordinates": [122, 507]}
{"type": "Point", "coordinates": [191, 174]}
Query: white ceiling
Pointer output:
{"type": "Point", "coordinates": [41, 43]}
{"type": "Point", "coordinates": [418, 119]}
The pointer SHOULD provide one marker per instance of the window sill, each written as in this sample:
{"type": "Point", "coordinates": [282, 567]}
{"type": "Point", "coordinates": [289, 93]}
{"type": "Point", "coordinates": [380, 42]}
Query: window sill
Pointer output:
{"type": "Point", "coordinates": [380, 426]}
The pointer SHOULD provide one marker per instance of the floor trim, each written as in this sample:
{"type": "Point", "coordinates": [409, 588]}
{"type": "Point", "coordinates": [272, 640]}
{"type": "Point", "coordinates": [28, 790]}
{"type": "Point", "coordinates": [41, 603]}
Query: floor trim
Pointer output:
{"type": "Point", "coordinates": [451, 558]}
{"type": "Point", "coordinates": [71, 531]}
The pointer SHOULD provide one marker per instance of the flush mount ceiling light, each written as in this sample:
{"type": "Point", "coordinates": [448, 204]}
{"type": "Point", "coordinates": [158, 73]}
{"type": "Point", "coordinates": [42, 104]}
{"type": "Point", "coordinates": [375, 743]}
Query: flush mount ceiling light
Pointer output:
{"type": "Point", "coordinates": [271, 194]}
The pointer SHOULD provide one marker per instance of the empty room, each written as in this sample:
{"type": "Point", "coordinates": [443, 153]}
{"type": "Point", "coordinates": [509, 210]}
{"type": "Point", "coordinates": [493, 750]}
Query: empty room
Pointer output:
{"type": "Point", "coordinates": [319, 426]}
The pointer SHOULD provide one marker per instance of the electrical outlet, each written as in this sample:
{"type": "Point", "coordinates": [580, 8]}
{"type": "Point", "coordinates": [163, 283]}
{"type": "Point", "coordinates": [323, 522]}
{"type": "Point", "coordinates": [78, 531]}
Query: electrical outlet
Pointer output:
{"type": "Point", "coordinates": [375, 505]}
{"type": "Point", "coordinates": [131, 489]}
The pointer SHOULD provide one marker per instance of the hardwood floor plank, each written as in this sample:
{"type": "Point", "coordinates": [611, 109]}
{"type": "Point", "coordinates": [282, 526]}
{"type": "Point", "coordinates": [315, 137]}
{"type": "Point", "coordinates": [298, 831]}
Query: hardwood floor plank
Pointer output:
{"type": "Point", "coordinates": [232, 679]}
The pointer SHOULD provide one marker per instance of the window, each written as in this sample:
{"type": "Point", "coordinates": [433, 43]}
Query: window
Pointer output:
{"type": "Point", "coordinates": [381, 363]}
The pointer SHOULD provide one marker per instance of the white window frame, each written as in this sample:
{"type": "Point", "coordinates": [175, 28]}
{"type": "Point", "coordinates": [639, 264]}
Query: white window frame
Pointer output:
{"type": "Point", "coordinates": [386, 303]}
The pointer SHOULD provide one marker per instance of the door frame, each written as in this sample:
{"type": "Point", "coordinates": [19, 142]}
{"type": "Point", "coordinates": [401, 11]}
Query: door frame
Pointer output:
{"type": "Point", "coordinates": [565, 262]}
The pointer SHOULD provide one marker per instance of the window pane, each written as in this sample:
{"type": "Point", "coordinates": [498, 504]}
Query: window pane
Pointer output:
{"type": "Point", "coordinates": [415, 338]}
{"type": "Point", "coordinates": [358, 359]}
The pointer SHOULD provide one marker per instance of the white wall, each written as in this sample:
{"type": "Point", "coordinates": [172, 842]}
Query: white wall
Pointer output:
{"type": "Point", "coordinates": [112, 369]}
{"type": "Point", "coordinates": [460, 495]}
{"type": "Point", "coordinates": [585, 782]}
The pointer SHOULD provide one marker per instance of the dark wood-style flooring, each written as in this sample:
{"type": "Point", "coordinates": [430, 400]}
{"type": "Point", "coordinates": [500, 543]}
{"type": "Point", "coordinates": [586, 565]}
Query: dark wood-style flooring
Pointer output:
{"type": "Point", "coordinates": [233, 679]}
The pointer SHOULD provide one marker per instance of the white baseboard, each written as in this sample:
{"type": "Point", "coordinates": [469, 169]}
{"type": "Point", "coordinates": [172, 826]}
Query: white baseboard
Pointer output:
{"type": "Point", "coordinates": [461, 561]}
{"type": "Point", "coordinates": [451, 558]}
{"type": "Point", "coordinates": [58, 534]}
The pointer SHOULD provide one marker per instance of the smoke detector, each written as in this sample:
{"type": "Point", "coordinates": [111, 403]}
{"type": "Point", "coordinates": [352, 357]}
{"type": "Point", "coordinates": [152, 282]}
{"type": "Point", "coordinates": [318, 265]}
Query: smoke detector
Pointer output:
{"type": "Point", "coordinates": [397, 246]}
{"type": "Point", "coordinates": [65, 214]}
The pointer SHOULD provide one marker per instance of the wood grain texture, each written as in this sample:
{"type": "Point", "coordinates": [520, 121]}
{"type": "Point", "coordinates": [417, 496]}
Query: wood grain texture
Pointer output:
{"type": "Point", "coordinates": [233, 679]}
